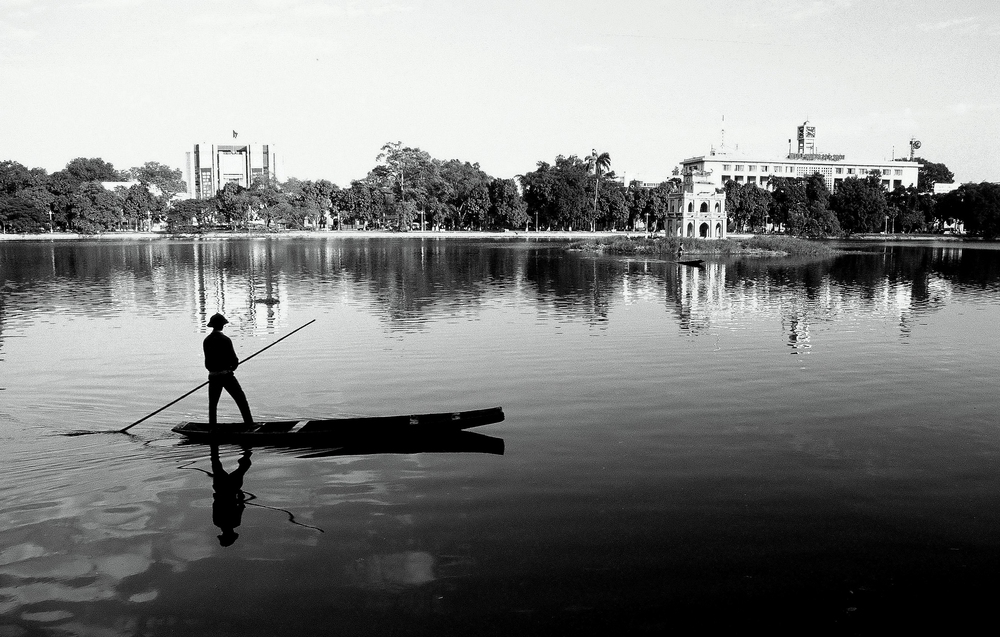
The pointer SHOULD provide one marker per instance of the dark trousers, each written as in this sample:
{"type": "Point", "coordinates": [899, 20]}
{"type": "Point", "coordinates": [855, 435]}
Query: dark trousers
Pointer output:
{"type": "Point", "coordinates": [228, 382]}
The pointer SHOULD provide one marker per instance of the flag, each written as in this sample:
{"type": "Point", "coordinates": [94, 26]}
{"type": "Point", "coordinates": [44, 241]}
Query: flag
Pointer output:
{"type": "Point", "coordinates": [235, 134]}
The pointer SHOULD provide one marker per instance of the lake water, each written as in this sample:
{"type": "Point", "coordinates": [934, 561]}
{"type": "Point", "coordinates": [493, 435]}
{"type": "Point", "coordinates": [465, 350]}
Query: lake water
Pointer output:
{"type": "Point", "coordinates": [801, 446]}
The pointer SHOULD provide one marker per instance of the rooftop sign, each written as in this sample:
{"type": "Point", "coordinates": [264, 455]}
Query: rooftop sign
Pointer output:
{"type": "Point", "coordinates": [816, 156]}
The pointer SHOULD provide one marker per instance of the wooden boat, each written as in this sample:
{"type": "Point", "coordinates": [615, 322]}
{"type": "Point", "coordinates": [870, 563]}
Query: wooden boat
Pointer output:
{"type": "Point", "coordinates": [695, 263]}
{"type": "Point", "coordinates": [338, 431]}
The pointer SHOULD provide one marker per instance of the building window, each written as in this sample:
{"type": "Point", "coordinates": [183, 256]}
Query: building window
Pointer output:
{"type": "Point", "coordinates": [850, 171]}
{"type": "Point", "coordinates": [726, 178]}
{"type": "Point", "coordinates": [739, 167]}
{"type": "Point", "coordinates": [839, 171]}
{"type": "Point", "coordinates": [897, 171]}
{"type": "Point", "coordinates": [896, 183]}
{"type": "Point", "coordinates": [739, 179]}
{"type": "Point", "coordinates": [751, 179]}
{"type": "Point", "coordinates": [836, 184]}
{"type": "Point", "coordinates": [777, 169]}
{"type": "Point", "coordinates": [789, 169]}
{"type": "Point", "coordinates": [763, 169]}
{"type": "Point", "coordinates": [752, 168]}
{"type": "Point", "coordinates": [885, 183]}
{"type": "Point", "coordinates": [726, 166]}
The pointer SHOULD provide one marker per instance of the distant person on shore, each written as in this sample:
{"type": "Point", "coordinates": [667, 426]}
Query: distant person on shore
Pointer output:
{"type": "Point", "coordinates": [680, 250]}
{"type": "Point", "coordinates": [221, 361]}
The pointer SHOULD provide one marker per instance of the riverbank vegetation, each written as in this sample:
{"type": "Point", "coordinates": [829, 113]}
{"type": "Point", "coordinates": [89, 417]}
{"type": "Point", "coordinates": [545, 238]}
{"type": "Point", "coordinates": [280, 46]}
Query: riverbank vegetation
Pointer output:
{"type": "Point", "coordinates": [408, 189]}
{"type": "Point", "coordinates": [805, 207]}
{"type": "Point", "coordinates": [669, 247]}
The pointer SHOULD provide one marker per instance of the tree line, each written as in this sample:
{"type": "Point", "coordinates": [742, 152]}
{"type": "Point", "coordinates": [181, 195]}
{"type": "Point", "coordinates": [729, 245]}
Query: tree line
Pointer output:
{"type": "Point", "coordinates": [806, 207]}
{"type": "Point", "coordinates": [409, 189]}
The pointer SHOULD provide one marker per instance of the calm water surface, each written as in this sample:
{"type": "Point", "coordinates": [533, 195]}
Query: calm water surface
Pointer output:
{"type": "Point", "coordinates": [801, 445]}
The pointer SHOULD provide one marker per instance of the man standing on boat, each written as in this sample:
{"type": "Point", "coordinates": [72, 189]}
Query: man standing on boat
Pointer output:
{"type": "Point", "coordinates": [221, 361]}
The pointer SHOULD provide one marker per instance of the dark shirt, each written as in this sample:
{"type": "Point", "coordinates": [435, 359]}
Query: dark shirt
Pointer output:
{"type": "Point", "coordinates": [219, 353]}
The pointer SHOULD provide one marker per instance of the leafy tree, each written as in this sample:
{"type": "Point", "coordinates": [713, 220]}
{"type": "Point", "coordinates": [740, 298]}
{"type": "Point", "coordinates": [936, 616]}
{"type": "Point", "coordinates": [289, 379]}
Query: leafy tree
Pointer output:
{"type": "Point", "coordinates": [15, 177]}
{"type": "Point", "coordinates": [167, 180]}
{"type": "Point", "coordinates": [41, 197]}
{"type": "Point", "coordinates": [233, 205]}
{"type": "Point", "coordinates": [189, 214]}
{"type": "Point", "coordinates": [404, 214]}
{"type": "Point", "coordinates": [463, 189]}
{"type": "Point", "coordinates": [18, 214]}
{"type": "Point", "coordinates": [476, 207]}
{"type": "Point", "coordinates": [263, 197]}
{"type": "Point", "coordinates": [288, 214]}
{"type": "Point", "coordinates": [84, 169]}
{"type": "Point", "coordinates": [93, 209]}
{"type": "Point", "coordinates": [408, 174]}
{"type": "Point", "coordinates": [317, 199]}
{"type": "Point", "coordinates": [23, 197]}
{"type": "Point", "coordinates": [802, 206]}
{"type": "Point", "coordinates": [819, 221]}
{"type": "Point", "coordinates": [747, 206]}
{"type": "Point", "coordinates": [363, 203]}
{"type": "Point", "coordinates": [788, 200]}
{"type": "Point", "coordinates": [636, 200]}
{"type": "Point", "coordinates": [558, 194]}
{"type": "Point", "coordinates": [659, 202]}
{"type": "Point", "coordinates": [506, 204]}
{"type": "Point", "coordinates": [977, 206]}
{"type": "Point", "coordinates": [645, 204]}
{"type": "Point", "coordinates": [931, 173]}
{"type": "Point", "coordinates": [139, 205]}
{"type": "Point", "coordinates": [860, 204]}
{"type": "Point", "coordinates": [613, 206]}
{"type": "Point", "coordinates": [911, 210]}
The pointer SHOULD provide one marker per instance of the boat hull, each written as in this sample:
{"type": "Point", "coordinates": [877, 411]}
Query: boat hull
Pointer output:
{"type": "Point", "coordinates": [338, 431]}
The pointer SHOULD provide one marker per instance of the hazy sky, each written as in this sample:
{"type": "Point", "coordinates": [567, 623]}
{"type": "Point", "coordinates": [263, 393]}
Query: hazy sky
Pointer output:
{"type": "Point", "coordinates": [505, 83]}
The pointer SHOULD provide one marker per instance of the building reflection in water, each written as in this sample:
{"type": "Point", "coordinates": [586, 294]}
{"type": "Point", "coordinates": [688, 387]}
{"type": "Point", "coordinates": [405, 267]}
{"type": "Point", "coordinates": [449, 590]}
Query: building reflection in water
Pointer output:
{"type": "Point", "coordinates": [728, 293]}
{"type": "Point", "coordinates": [241, 279]}
{"type": "Point", "coordinates": [410, 283]}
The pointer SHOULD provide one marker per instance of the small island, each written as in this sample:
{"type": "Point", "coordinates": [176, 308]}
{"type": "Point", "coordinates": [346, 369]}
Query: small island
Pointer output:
{"type": "Point", "coordinates": [670, 247]}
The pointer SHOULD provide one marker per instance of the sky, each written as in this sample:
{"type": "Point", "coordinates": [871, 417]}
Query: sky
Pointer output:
{"type": "Point", "coordinates": [505, 83]}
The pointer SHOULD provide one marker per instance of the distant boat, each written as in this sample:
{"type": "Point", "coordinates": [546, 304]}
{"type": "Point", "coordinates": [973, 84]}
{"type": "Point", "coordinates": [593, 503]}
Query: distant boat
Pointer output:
{"type": "Point", "coordinates": [694, 263]}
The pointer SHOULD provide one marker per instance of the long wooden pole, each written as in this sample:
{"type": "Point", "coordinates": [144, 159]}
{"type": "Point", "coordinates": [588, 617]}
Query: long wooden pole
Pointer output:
{"type": "Point", "coordinates": [148, 416]}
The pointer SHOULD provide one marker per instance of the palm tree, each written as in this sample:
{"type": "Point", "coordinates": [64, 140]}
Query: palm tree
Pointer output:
{"type": "Point", "coordinates": [599, 163]}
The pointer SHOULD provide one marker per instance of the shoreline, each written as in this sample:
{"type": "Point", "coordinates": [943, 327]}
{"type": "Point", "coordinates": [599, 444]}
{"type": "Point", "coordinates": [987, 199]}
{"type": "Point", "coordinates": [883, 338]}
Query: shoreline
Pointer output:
{"type": "Point", "coordinates": [320, 234]}
{"type": "Point", "coordinates": [417, 234]}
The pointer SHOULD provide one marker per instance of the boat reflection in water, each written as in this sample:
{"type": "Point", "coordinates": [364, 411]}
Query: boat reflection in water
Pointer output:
{"type": "Point", "coordinates": [230, 499]}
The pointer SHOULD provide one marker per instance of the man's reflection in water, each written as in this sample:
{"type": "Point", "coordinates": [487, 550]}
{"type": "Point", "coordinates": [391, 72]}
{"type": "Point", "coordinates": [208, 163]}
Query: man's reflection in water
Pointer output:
{"type": "Point", "coordinates": [228, 500]}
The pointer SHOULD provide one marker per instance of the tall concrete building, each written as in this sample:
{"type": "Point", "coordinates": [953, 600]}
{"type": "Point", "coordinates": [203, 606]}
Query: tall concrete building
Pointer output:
{"type": "Point", "coordinates": [209, 167]}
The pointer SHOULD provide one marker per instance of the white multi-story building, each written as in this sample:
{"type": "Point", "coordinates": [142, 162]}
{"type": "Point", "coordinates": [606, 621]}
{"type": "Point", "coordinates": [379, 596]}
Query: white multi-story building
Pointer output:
{"type": "Point", "coordinates": [209, 167]}
{"type": "Point", "coordinates": [725, 165]}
